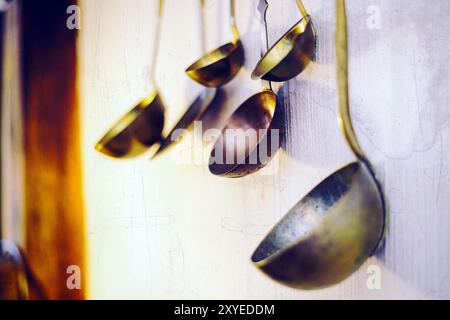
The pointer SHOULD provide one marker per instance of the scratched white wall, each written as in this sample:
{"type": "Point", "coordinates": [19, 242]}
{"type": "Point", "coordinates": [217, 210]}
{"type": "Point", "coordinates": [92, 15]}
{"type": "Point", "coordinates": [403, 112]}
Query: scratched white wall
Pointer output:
{"type": "Point", "coordinates": [164, 229]}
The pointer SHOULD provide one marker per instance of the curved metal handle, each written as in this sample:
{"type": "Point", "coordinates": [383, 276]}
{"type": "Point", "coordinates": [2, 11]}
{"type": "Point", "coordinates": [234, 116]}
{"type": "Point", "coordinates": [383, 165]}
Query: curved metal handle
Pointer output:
{"type": "Point", "coordinates": [344, 117]}
{"type": "Point", "coordinates": [203, 26]}
{"type": "Point", "coordinates": [4, 6]}
{"type": "Point", "coordinates": [2, 55]}
{"type": "Point", "coordinates": [302, 8]}
{"type": "Point", "coordinates": [234, 28]}
{"type": "Point", "coordinates": [262, 8]}
{"type": "Point", "coordinates": [157, 42]}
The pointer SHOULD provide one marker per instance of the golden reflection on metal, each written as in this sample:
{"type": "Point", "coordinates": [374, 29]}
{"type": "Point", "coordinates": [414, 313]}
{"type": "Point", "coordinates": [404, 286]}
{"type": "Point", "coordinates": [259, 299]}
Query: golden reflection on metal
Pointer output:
{"type": "Point", "coordinates": [141, 127]}
{"type": "Point", "coordinates": [193, 113]}
{"type": "Point", "coordinates": [220, 66]}
{"type": "Point", "coordinates": [291, 54]}
{"type": "Point", "coordinates": [136, 131]}
{"type": "Point", "coordinates": [257, 115]}
{"type": "Point", "coordinates": [329, 234]}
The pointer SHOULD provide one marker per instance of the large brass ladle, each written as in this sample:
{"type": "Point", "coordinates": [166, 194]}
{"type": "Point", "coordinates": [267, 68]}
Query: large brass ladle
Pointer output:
{"type": "Point", "coordinates": [291, 54]}
{"type": "Point", "coordinates": [238, 152]}
{"type": "Point", "coordinates": [141, 127]}
{"type": "Point", "coordinates": [328, 234]}
{"type": "Point", "coordinates": [220, 66]}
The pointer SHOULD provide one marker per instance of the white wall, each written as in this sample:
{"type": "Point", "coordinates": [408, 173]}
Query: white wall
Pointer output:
{"type": "Point", "coordinates": [168, 230]}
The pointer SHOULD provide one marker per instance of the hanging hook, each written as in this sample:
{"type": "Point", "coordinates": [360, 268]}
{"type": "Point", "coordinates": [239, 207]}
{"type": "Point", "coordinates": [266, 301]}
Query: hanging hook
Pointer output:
{"type": "Point", "coordinates": [263, 6]}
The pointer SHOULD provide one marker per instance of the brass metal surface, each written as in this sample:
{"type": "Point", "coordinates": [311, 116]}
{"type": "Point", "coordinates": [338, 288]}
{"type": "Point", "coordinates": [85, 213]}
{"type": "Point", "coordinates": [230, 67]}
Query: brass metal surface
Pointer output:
{"type": "Point", "coordinates": [256, 113]}
{"type": "Point", "coordinates": [328, 234]}
{"type": "Point", "coordinates": [291, 54]}
{"type": "Point", "coordinates": [141, 127]}
{"type": "Point", "coordinates": [193, 113]}
{"type": "Point", "coordinates": [221, 65]}
{"type": "Point", "coordinates": [242, 156]}
{"type": "Point", "coordinates": [136, 131]}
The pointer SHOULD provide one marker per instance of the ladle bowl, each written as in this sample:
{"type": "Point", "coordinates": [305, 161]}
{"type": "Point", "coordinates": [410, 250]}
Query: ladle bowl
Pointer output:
{"type": "Point", "coordinates": [290, 55]}
{"type": "Point", "coordinates": [142, 126]}
{"type": "Point", "coordinates": [197, 108]}
{"type": "Point", "coordinates": [193, 113]}
{"type": "Point", "coordinates": [136, 131]}
{"type": "Point", "coordinates": [328, 234]}
{"type": "Point", "coordinates": [245, 143]}
{"type": "Point", "coordinates": [219, 66]}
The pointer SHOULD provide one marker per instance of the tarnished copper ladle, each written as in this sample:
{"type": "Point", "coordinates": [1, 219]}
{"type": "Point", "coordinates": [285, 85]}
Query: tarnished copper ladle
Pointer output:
{"type": "Point", "coordinates": [141, 127]}
{"type": "Point", "coordinates": [328, 234]}
{"type": "Point", "coordinates": [291, 54]}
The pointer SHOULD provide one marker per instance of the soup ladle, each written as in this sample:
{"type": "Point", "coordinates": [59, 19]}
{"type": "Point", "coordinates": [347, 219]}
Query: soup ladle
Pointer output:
{"type": "Point", "coordinates": [291, 54]}
{"type": "Point", "coordinates": [221, 65]}
{"type": "Point", "coordinates": [193, 113]}
{"type": "Point", "coordinates": [142, 126]}
{"type": "Point", "coordinates": [245, 144]}
{"type": "Point", "coordinates": [328, 234]}
{"type": "Point", "coordinates": [195, 110]}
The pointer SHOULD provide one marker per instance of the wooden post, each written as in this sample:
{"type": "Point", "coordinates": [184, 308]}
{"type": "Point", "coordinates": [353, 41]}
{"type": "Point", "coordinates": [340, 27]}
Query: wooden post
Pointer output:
{"type": "Point", "coordinates": [55, 235]}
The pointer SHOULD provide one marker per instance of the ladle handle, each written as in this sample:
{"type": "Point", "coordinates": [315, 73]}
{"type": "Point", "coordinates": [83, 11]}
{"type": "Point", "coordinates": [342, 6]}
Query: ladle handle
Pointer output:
{"type": "Point", "coordinates": [302, 8]}
{"type": "Point", "coordinates": [344, 117]}
{"type": "Point", "coordinates": [262, 8]}
{"type": "Point", "coordinates": [203, 26]}
{"type": "Point", "coordinates": [2, 72]}
{"type": "Point", "coordinates": [7, 246]}
{"type": "Point", "coordinates": [4, 6]}
{"type": "Point", "coordinates": [234, 28]}
{"type": "Point", "coordinates": [157, 41]}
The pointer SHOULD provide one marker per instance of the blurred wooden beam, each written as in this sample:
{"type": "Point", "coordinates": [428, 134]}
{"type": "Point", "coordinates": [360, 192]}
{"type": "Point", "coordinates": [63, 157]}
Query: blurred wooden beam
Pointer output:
{"type": "Point", "coordinates": [54, 208]}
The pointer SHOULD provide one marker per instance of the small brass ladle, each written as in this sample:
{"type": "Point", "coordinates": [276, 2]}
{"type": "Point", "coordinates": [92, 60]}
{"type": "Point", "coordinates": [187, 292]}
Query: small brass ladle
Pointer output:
{"type": "Point", "coordinates": [231, 158]}
{"type": "Point", "coordinates": [291, 54]}
{"type": "Point", "coordinates": [328, 234]}
{"type": "Point", "coordinates": [195, 110]}
{"type": "Point", "coordinates": [141, 127]}
{"type": "Point", "coordinates": [220, 66]}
